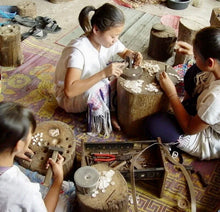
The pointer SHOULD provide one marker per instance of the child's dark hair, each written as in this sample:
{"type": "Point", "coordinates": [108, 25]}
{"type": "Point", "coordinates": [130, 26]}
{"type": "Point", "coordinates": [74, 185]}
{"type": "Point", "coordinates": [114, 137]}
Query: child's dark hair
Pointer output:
{"type": "Point", "coordinates": [16, 121]}
{"type": "Point", "coordinates": [104, 17]}
{"type": "Point", "coordinates": [207, 42]}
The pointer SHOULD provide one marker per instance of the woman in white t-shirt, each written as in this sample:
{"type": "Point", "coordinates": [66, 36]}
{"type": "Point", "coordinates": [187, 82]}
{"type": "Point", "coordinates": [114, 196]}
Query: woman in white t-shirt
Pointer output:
{"type": "Point", "coordinates": [86, 64]}
{"type": "Point", "coordinates": [195, 124]}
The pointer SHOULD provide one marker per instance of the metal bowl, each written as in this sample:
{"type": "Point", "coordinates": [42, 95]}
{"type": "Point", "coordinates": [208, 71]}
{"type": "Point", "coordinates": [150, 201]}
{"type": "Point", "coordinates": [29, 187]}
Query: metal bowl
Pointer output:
{"type": "Point", "coordinates": [178, 4]}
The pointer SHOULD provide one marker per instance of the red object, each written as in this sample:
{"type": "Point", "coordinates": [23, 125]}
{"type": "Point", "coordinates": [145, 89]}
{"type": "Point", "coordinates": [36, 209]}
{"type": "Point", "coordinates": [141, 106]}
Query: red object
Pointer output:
{"type": "Point", "coordinates": [104, 157]}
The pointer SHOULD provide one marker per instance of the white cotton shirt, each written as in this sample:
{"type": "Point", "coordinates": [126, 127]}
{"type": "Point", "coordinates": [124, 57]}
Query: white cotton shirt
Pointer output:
{"type": "Point", "coordinates": [206, 144]}
{"type": "Point", "coordinates": [17, 193]}
{"type": "Point", "coordinates": [81, 54]}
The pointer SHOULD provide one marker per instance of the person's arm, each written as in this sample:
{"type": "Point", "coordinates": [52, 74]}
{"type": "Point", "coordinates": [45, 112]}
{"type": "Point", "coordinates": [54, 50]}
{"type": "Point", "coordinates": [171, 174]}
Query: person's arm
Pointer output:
{"type": "Point", "coordinates": [189, 124]}
{"type": "Point", "coordinates": [52, 196]}
{"type": "Point", "coordinates": [74, 86]}
{"type": "Point", "coordinates": [184, 48]}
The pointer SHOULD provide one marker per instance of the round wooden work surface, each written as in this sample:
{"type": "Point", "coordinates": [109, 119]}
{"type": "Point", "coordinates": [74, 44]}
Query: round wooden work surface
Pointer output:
{"type": "Point", "coordinates": [147, 78]}
{"type": "Point", "coordinates": [51, 133]}
{"type": "Point", "coordinates": [114, 199]}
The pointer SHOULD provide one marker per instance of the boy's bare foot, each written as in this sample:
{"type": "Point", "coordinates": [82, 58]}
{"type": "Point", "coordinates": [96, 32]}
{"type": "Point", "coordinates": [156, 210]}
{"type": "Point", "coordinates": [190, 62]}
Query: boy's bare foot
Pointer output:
{"type": "Point", "coordinates": [115, 123]}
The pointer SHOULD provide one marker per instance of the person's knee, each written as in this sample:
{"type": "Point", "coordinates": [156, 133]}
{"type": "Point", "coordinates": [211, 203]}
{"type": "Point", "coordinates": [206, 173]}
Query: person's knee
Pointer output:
{"type": "Point", "coordinates": [163, 125]}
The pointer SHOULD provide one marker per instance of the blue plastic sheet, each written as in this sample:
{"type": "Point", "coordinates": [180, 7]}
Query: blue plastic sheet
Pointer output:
{"type": "Point", "coordinates": [7, 12]}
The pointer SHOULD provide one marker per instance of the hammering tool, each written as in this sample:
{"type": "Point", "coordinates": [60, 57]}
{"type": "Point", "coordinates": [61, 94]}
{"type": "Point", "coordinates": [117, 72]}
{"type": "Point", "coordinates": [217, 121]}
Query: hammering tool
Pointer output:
{"type": "Point", "coordinates": [49, 173]}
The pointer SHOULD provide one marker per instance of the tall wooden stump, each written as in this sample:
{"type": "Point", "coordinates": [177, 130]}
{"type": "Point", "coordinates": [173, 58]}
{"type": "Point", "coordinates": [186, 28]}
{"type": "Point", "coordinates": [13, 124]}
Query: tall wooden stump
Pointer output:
{"type": "Point", "coordinates": [187, 31]}
{"type": "Point", "coordinates": [215, 17]}
{"type": "Point", "coordinates": [162, 40]}
{"type": "Point", "coordinates": [113, 199]}
{"type": "Point", "coordinates": [27, 8]}
{"type": "Point", "coordinates": [10, 46]}
{"type": "Point", "coordinates": [133, 107]}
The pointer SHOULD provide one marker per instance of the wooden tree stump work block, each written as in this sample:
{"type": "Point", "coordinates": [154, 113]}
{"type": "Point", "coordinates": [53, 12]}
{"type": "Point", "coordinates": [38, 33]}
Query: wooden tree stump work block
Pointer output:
{"type": "Point", "coordinates": [187, 31]}
{"type": "Point", "coordinates": [10, 46]}
{"type": "Point", "coordinates": [133, 107]}
{"type": "Point", "coordinates": [162, 40]}
{"type": "Point", "coordinates": [27, 8]}
{"type": "Point", "coordinates": [51, 133]}
{"type": "Point", "coordinates": [114, 199]}
{"type": "Point", "coordinates": [215, 17]}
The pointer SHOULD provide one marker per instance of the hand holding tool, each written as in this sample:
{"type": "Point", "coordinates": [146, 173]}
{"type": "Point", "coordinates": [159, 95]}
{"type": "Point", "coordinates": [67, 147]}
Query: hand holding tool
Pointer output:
{"type": "Point", "coordinates": [49, 173]}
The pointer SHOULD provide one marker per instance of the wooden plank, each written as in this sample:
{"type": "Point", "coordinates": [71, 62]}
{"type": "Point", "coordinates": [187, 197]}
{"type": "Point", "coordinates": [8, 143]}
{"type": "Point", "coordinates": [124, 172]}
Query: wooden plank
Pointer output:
{"type": "Point", "coordinates": [137, 36]}
{"type": "Point", "coordinates": [136, 31]}
{"type": "Point", "coordinates": [131, 17]}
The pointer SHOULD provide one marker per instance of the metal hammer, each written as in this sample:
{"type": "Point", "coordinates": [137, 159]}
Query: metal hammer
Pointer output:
{"type": "Point", "coordinates": [49, 173]}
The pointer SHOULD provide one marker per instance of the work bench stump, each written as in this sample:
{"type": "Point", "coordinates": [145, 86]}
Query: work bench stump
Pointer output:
{"type": "Point", "coordinates": [114, 199]}
{"type": "Point", "coordinates": [187, 31]}
{"type": "Point", "coordinates": [215, 17]}
{"type": "Point", "coordinates": [162, 41]}
{"type": "Point", "coordinates": [27, 8]}
{"type": "Point", "coordinates": [10, 46]}
{"type": "Point", "coordinates": [51, 133]}
{"type": "Point", "coordinates": [133, 108]}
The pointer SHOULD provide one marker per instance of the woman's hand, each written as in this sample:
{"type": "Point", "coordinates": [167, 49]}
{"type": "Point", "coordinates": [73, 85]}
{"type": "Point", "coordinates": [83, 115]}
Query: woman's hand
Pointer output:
{"type": "Point", "coordinates": [114, 69]}
{"type": "Point", "coordinates": [167, 85]}
{"type": "Point", "coordinates": [57, 167]}
{"type": "Point", "coordinates": [184, 48]}
{"type": "Point", "coordinates": [137, 58]}
{"type": "Point", "coordinates": [26, 155]}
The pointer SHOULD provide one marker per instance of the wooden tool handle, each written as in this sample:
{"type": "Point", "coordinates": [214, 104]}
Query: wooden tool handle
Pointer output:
{"type": "Point", "coordinates": [49, 174]}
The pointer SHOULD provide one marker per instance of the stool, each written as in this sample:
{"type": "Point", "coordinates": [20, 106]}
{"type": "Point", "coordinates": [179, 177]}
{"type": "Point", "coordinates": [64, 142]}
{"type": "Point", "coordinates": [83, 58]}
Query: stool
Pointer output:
{"type": "Point", "coordinates": [10, 46]}
{"type": "Point", "coordinates": [215, 17]}
{"type": "Point", "coordinates": [27, 8]}
{"type": "Point", "coordinates": [187, 31]}
{"type": "Point", "coordinates": [162, 41]}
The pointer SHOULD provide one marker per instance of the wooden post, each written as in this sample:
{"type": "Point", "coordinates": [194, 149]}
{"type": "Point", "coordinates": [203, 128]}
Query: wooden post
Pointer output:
{"type": "Point", "coordinates": [187, 30]}
{"type": "Point", "coordinates": [27, 8]}
{"type": "Point", "coordinates": [215, 17]}
{"type": "Point", "coordinates": [10, 46]}
{"type": "Point", "coordinates": [162, 40]}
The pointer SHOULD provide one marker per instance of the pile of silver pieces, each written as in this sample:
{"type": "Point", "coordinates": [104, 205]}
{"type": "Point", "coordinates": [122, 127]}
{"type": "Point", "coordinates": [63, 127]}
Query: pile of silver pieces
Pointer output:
{"type": "Point", "coordinates": [175, 75]}
{"type": "Point", "coordinates": [152, 87]}
{"type": "Point", "coordinates": [105, 180]}
{"type": "Point", "coordinates": [37, 139]}
{"type": "Point", "coordinates": [134, 85]}
{"type": "Point", "coordinates": [151, 68]}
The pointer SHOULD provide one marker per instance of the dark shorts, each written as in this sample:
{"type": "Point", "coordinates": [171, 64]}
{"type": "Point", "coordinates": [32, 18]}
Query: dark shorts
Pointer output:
{"type": "Point", "coordinates": [163, 125]}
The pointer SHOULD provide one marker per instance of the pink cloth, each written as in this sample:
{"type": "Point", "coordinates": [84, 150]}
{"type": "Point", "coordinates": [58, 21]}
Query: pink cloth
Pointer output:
{"type": "Point", "coordinates": [172, 21]}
